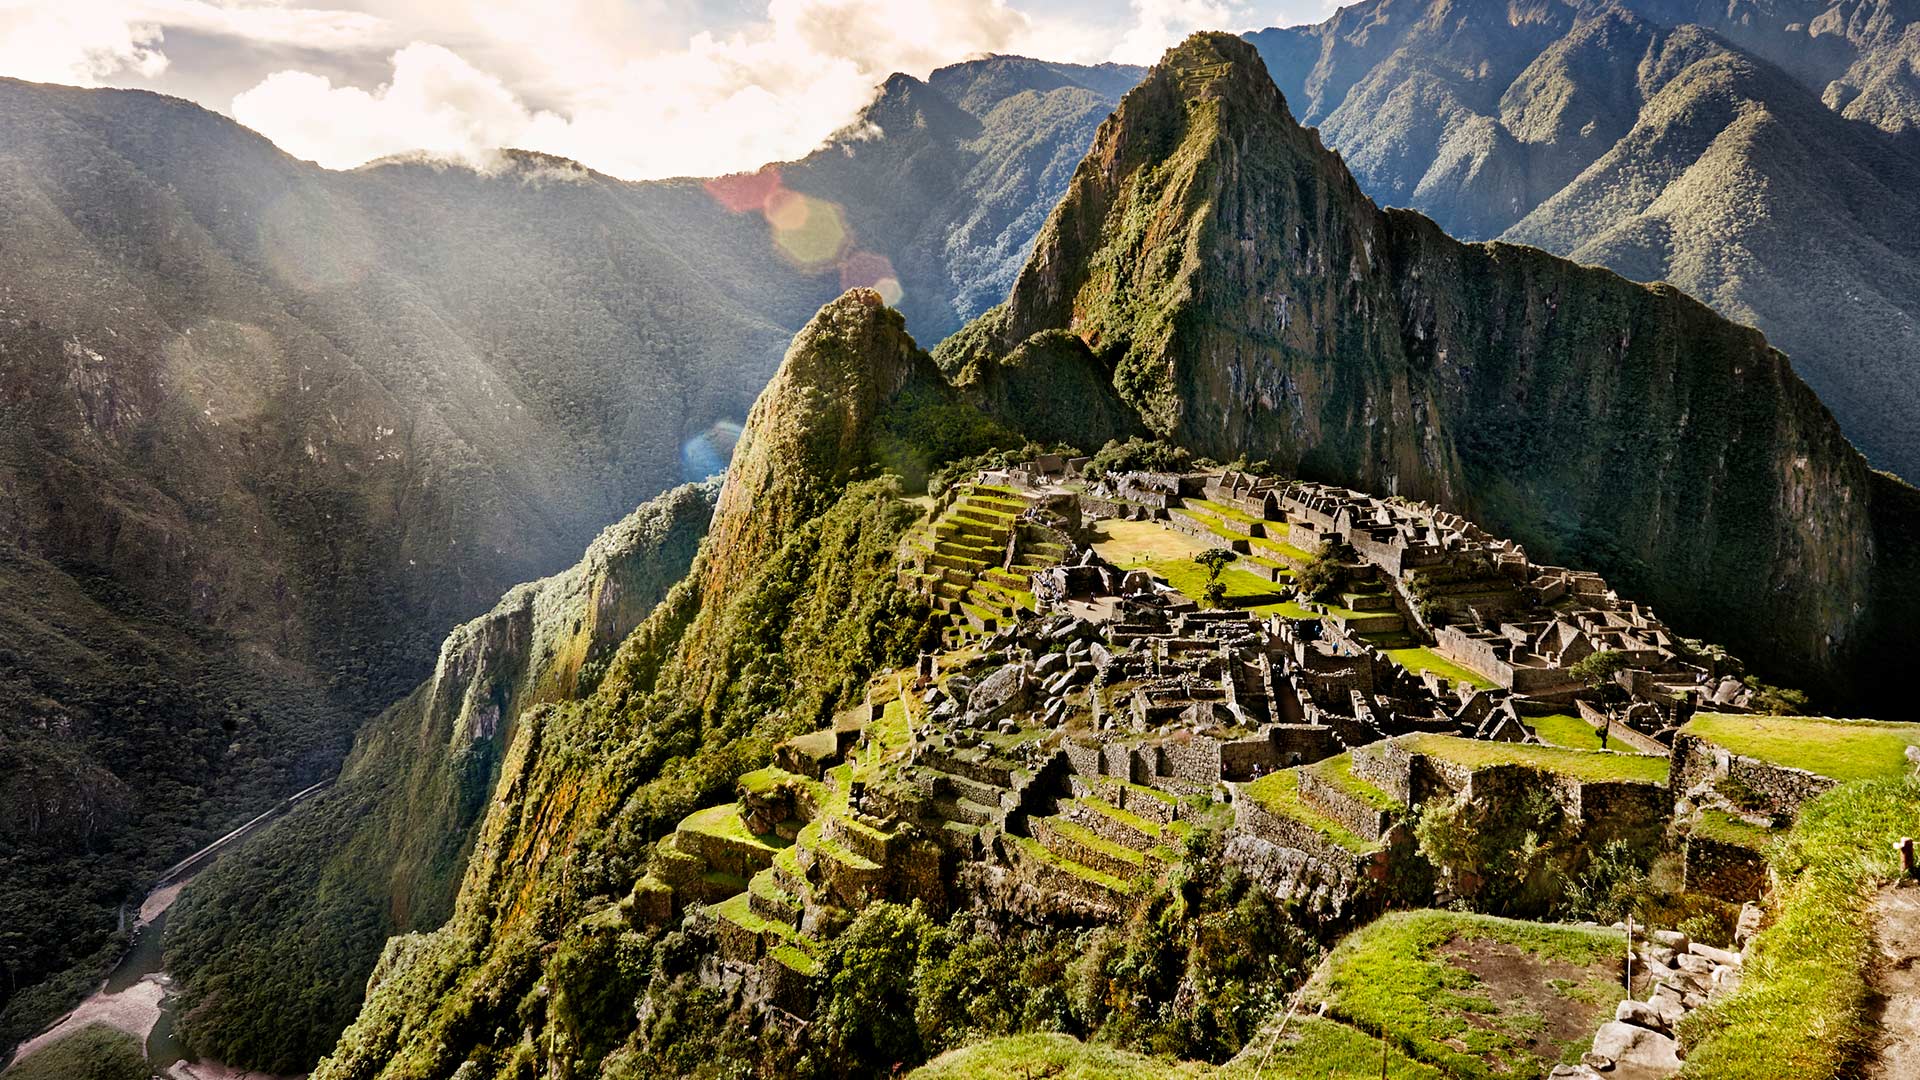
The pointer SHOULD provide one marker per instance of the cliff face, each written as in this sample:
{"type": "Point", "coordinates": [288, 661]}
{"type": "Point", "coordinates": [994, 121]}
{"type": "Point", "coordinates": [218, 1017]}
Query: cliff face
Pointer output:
{"type": "Point", "coordinates": [1247, 298]}
{"type": "Point", "coordinates": [270, 985]}
{"type": "Point", "coordinates": [1756, 156]}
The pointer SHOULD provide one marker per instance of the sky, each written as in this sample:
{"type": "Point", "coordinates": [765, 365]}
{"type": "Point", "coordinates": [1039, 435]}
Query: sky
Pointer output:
{"type": "Point", "coordinates": [640, 89]}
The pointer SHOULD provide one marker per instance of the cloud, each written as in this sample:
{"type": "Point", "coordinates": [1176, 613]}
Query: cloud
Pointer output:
{"type": "Point", "coordinates": [636, 88]}
{"type": "Point", "coordinates": [719, 103]}
{"type": "Point", "coordinates": [89, 42]}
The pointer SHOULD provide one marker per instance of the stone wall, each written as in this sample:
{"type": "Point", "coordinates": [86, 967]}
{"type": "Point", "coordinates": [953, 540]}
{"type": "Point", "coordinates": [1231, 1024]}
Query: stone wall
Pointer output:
{"type": "Point", "coordinates": [1727, 871]}
{"type": "Point", "coordinates": [1251, 818]}
{"type": "Point", "coordinates": [1353, 813]}
{"type": "Point", "coordinates": [1775, 790]}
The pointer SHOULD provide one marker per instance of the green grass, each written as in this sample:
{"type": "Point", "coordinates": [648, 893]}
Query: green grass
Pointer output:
{"type": "Point", "coordinates": [1727, 829]}
{"type": "Point", "coordinates": [1563, 730]}
{"type": "Point", "coordinates": [1594, 765]}
{"type": "Point", "coordinates": [1390, 978]}
{"type": "Point", "coordinates": [1039, 851]}
{"type": "Point", "coordinates": [737, 909]}
{"type": "Point", "coordinates": [1338, 771]}
{"type": "Point", "coordinates": [814, 838]}
{"type": "Point", "coordinates": [1056, 1057]}
{"type": "Point", "coordinates": [1279, 793]}
{"type": "Point", "coordinates": [1802, 1011]}
{"type": "Point", "coordinates": [1087, 838]}
{"type": "Point", "coordinates": [1842, 749]}
{"type": "Point", "coordinates": [796, 958]}
{"type": "Point", "coordinates": [725, 821]}
{"type": "Point", "coordinates": [1189, 578]}
{"type": "Point", "coordinates": [1125, 817]}
{"type": "Point", "coordinates": [1421, 658]}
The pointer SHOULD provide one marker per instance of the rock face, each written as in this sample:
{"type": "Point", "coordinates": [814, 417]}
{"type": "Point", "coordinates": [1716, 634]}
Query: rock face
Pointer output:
{"type": "Point", "coordinates": [1755, 158]}
{"type": "Point", "coordinates": [383, 851]}
{"type": "Point", "coordinates": [1225, 271]}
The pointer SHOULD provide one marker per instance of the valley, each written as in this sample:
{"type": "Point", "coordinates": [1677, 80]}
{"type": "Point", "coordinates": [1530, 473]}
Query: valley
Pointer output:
{"type": "Point", "coordinates": [1263, 634]}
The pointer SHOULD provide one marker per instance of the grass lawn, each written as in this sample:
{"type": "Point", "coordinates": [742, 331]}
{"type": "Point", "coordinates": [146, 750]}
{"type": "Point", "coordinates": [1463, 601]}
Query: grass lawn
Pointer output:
{"type": "Point", "coordinates": [1842, 749]}
{"type": "Point", "coordinates": [1338, 771]}
{"type": "Point", "coordinates": [1279, 793]}
{"type": "Point", "coordinates": [1727, 829]}
{"type": "Point", "coordinates": [1056, 1057]}
{"type": "Point", "coordinates": [1803, 1004]}
{"type": "Point", "coordinates": [1422, 659]}
{"type": "Point", "coordinates": [725, 821]}
{"type": "Point", "coordinates": [1189, 578]}
{"type": "Point", "coordinates": [1563, 730]}
{"type": "Point", "coordinates": [1580, 764]}
{"type": "Point", "coordinates": [1476, 995]}
{"type": "Point", "coordinates": [1286, 610]}
{"type": "Point", "coordinates": [1127, 543]}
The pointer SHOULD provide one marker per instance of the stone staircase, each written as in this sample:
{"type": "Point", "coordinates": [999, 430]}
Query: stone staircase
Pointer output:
{"type": "Point", "coordinates": [975, 559]}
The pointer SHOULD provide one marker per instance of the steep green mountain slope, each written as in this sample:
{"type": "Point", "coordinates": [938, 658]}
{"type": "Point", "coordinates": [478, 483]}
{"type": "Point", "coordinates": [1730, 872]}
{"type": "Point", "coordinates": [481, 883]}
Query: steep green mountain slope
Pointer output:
{"type": "Point", "coordinates": [1248, 299]}
{"type": "Point", "coordinates": [791, 603]}
{"type": "Point", "coordinates": [271, 948]}
{"type": "Point", "coordinates": [267, 432]}
{"type": "Point", "coordinates": [1727, 154]}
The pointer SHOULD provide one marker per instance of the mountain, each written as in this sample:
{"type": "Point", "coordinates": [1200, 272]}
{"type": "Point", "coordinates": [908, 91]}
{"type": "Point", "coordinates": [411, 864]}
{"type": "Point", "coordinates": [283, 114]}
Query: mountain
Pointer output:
{"type": "Point", "coordinates": [268, 432]}
{"type": "Point", "coordinates": [792, 604]}
{"type": "Point", "coordinates": [1757, 156]}
{"type": "Point", "coordinates": [1224, 273]}
{"type": "Point", "coordinates": [271, 948]}
{"type": "Point", "coordinates": [1216, 273]}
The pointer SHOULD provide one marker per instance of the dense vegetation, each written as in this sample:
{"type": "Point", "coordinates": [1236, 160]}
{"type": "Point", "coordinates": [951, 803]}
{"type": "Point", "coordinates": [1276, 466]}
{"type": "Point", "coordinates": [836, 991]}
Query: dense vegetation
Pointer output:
{"type": "Point", "coordinates": [95, 1052]}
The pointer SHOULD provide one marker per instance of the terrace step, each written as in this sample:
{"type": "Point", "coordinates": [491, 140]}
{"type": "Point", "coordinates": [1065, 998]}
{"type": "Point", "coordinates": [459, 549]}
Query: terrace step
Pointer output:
{"type": "Point", "coordinates": [938, 783]}
{"type": "Point", "coordinates": [1077, 843]}
{"type": "Point", "coordinates": [767, 899]}
{"type": "Point", "coordinates": [965, 811]}
{"type": "Point", "coordinates": [1050, 871]}
{"type": "Point", "coordinates": [1115, 824]}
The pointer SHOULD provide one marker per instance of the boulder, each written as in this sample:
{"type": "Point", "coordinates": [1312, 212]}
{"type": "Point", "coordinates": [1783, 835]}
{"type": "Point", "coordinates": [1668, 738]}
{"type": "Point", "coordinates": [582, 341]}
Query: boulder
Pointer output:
{"type": "Point", "coordinates": [1672, 939]}
{"type": "Point", "coordinates": [1000, 694]}
{"type": "Point", "coordinates": [1717, 956]}
{"type": "Point", "coordinates": [1636, 1053]}
{"type": "Point", "coordinates": [1642, 1014]}
{"type": "Point", "coordinates": [1050, 663]}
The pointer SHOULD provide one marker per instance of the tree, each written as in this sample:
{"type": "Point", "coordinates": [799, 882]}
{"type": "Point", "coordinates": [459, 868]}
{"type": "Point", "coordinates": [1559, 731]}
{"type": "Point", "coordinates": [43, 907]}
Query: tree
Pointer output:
{"type": "Point", "coordinates": [1323, 575]}
{"type": "Point", "coordinates": [1599, 669]}
{"type": "Point", "coordinates": [1214, 560]}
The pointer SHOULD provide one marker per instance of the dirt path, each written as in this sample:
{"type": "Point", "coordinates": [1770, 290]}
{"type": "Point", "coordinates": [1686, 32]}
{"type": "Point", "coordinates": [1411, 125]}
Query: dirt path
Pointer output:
{"type": "Point", "coordinates": [1896, 984]}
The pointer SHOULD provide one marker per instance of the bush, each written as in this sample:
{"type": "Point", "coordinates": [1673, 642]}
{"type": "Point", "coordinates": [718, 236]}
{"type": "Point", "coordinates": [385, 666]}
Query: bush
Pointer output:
{"type": "Point", "coordinates": [1324, 576]}
{"type": "Point", "coordinates": [1137, 455]}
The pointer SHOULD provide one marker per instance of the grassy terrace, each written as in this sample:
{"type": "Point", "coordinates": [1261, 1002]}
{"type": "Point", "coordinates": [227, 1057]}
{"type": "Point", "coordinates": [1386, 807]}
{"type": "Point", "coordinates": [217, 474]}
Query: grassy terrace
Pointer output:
{"type": "Point", "coordinates": [1803, 1010]}
{"type": "Point", "coordinates": [1842, 749]}
{"type": "Point", "coordinates": [1124, 817]}
{"type": "Point", "coordinates": [1035, 849]}
{"type": "Point", "coordinates": [1279, 793]}
{"type": "Point", "coordinates": [1563, 730]}
{"type": "Point", "coordinates": [1087, 838]}
{"type": "Point", "coordinates": [1727, 829]}
{"type": "Point", "coordinates": [1422, 659]}
{"type": "Point", "coordinates": [725, 821]}
{"type": "Point", "coordinates": [1476, 995]}
{"type": "Point", "coordinates": [1189, 578]}
{"type": "Point", "coordinates": [1595, 765]}
{"type": "Point", "coordinates": [1338, 771]}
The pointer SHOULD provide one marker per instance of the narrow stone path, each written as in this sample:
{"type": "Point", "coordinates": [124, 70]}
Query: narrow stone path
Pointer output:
{"type": "Point", "coordinates": [1896, 984]}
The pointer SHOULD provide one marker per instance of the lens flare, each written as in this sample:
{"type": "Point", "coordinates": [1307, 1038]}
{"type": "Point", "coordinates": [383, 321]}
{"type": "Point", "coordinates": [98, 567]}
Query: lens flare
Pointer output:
{"type": "Point", "coordinates": [807, 230]}
{"type": "Point", "coordinates": [871, 270]}
{"type": "Point", "coordinates": [707, 453]}
{"type": "Point", "coordinates": [742, 192]}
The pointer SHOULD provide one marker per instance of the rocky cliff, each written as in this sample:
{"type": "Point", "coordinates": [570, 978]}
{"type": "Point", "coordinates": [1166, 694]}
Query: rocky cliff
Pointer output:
{"type": "Point", "coordinates": [1247, 298]}
{"type": "Point", "coordinates": [1756, 156]}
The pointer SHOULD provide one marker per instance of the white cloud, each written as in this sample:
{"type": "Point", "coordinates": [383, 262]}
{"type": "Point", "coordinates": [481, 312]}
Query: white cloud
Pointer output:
{"type": "Point", "coordinates": [636, 88]}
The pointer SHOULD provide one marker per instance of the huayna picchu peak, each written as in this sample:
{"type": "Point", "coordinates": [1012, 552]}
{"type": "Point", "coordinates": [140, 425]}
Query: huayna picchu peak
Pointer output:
{"type": "Point", "coordinates": [1228, 278]}
{"type": "Point", "coordinates": [1277, 639]}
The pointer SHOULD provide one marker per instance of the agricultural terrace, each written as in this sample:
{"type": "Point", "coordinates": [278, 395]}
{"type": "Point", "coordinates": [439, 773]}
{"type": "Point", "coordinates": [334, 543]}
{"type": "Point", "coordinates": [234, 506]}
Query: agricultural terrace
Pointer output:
{"type": "Point", "coordinates": [1842, 749]}
{"type": "Point", "coordinates": [1591, 766]}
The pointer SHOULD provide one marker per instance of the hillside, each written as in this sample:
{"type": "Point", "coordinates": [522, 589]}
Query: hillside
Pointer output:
{"type": "Point", "coordinates": [1224, 273]}
{"type": "Point", "coordinates": [1758, 162]}
{"type": "Point", "coordinates": [268, 432]}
